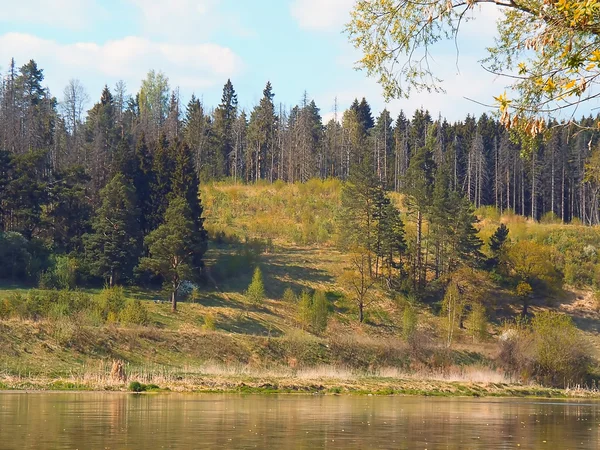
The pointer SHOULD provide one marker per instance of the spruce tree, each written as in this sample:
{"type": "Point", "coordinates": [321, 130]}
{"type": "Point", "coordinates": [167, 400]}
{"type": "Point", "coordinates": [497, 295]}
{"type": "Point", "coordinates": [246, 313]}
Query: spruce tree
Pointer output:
{"type": "Point", "coordinates": [143, 182]}
{"type": "Point", "coordinates": [256, 290]}
{"type": "Point", "coordinates": [162, 168]}
{"type": "Point", "coordinates": [225, 116]}
{"type": "Point", "coordinates": [112, 248]}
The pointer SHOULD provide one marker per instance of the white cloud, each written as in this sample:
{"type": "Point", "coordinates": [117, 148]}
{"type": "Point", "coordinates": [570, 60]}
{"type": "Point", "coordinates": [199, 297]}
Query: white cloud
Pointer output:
{"type": "Point", "coordinates": [187, 20]}
{"type": "Point", "coordinates": [324, 15]}
{"type": "Point", "coordinates": [70, 14]}
{"type": "Point", "coordinates": [192, 66]}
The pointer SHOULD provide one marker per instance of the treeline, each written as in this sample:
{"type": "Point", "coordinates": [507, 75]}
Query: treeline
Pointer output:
{"type": "Point", "coordinates": [553, 174]}
{"type": "Point", "coordinates": [102, 183]}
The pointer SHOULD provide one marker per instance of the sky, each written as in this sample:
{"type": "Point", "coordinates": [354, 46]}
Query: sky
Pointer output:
{"type": "Point", "coordinates": [297, 45]}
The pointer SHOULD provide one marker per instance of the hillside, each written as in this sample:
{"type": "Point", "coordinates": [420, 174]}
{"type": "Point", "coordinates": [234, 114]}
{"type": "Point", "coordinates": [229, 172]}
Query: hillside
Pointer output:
{"type": "Point", "coordinates": [291, 232]}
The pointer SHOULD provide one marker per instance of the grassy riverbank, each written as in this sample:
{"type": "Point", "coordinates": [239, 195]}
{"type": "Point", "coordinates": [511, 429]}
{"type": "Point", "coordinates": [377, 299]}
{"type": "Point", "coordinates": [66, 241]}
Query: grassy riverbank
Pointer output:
{"type": "Point", "coordinates": [323, 380]}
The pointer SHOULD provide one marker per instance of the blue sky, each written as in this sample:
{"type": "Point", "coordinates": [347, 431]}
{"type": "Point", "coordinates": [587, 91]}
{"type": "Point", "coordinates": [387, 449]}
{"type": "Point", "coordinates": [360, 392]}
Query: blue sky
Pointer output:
{"type": "Point", "coordinates": [296, 44]}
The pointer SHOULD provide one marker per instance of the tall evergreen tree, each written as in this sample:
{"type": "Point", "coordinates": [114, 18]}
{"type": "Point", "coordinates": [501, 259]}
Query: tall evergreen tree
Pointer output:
{"type": "Point", "coordinates": [112, 248]}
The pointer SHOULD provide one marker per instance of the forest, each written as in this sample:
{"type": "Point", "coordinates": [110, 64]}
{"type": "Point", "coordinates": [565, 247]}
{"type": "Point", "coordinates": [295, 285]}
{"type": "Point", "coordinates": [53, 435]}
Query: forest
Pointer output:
{"type": "Point", "coordinates": [138, 191]}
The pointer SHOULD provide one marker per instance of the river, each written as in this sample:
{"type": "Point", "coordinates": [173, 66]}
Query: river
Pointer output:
{"type": "Point", "coordinates": [212, 421]}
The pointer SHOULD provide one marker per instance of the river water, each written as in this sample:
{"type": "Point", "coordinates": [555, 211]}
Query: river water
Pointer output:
{"type": "Point", "coordinates": [212, 421]}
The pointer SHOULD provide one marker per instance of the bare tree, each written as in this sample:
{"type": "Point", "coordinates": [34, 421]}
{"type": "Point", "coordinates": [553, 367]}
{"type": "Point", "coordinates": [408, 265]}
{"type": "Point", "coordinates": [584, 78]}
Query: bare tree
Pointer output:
{"type": "Point", "coordinates": [75, 99]}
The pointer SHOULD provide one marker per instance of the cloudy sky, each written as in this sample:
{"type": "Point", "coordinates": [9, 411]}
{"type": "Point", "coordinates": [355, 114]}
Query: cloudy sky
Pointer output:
{"type": "Point", "coordinates": [296, 44]}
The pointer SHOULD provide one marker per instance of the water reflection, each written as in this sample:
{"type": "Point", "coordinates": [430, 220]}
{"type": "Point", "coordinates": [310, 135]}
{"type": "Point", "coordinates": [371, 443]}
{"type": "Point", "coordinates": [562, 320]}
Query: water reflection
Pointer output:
{"type": "Point", "coordinates": [126, 421]}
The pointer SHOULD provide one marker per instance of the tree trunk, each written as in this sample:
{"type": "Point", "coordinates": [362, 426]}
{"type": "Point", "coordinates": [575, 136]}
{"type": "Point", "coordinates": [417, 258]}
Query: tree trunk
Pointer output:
{"type": "Point", "coordinates": [174, 299]}
{"type": "Point", "coordinates": [525, 307]}
{"type": "Point", "coordinates": [361, 314]}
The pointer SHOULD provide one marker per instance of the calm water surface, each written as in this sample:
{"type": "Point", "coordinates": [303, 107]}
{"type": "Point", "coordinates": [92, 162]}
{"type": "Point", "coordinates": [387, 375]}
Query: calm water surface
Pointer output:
{"type": "Point", "coordinates": [127, 421]}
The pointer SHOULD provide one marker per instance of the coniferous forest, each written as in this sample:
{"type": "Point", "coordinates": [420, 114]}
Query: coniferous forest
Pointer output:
{"type": "Point", "coordinates": [117, 184]}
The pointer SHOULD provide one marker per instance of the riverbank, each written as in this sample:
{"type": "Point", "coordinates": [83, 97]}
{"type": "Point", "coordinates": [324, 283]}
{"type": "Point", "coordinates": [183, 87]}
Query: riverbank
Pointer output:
{"type": "Point", "coordinates": [306, 382]}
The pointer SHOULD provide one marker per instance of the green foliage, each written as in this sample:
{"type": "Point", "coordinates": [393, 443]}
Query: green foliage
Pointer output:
{"type": "Point", "coordinates": [410, 321]}
{"type": "Point", "coordinates": [478, 322]}
{"type": "Point", "coordinates": [550, 218]}
{"type": "Point", "coordinates": [62, 275]}
{"type": "Point", "coordinates": [136, 386]}
{"type": "Point", "coordinates": [113, 247]}
{"type": "Point", "coordinates": [14, 256]}
{"type": "Point", "coordinates": [256, 290]}
{"type": "Point", "coordinates": [110, 303]}
{"type": "Point", "coordinates": [498, 240]}
{"type": "Point", "coordinates": [134, 313]}
{"type": "Point", "coordinates": [210, 323]}
{"type": "Point", "coordinates": [305, 315]}
{"type": "Point", "coordinates": [551, 351]}
{"type": "Point", "coordinates": [313, 311]}
{"type": "Point", "coordinates": [175, 248]}
{"type": "Point", "coordinates": [320, 311]}
{"type": "Point", "coordinates": [533, 263]}
{"type": "Point", "coordinates": [289, 296]}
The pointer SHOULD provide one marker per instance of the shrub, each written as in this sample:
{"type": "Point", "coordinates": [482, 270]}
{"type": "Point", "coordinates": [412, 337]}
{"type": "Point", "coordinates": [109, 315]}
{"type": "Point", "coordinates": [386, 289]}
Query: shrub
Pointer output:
{"type": "Point", "coordinates": [320, 311]}
{"type": "Point", "coordinates": [550, 350]}
{"type": "Point", "coordinates": [409, 322]}
{"type": "Point", "coordinates": [136, 386]}
{"type": "Point", "coordinates": [110, 303]}
{"type": "Point", "coordinates": [478, 322]}
{"type": "Point", "coordinates": [560, 354]}
{"type": "Point", "coordinates": [550, 218]}
{"type": "Point", "coordinates": [134, 313]}
{"type": "Point", "coordinates": [210, 324]}
{"type": "Point", "coordinates": [62, 274]}
{"type": "Point", "coordinates": [256, 291]}
{"type": "Point", "coordinates": [305, 310]}
{"type": "Point", "coordinates": [289, 296]}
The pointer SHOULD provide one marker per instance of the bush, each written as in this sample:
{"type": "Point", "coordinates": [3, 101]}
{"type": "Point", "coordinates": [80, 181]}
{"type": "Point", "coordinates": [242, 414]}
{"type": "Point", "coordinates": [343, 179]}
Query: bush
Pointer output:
{"type": "Point", "coordinates": [136, 386]}
{"type": "Point", "coordinates": [289, 296]}
{"type": "Point", "coordinates": [111, 302]}
{"type": "Point", "coordinates": [305, 310]}
{"type": "Point", "coordinates": [478, 322]}
{"type": "Point", "coordinates": [15, 258]}
{"type": "Point", "coordinates": [409, 322]}
{"type": "Point", "coordinates": [210, 324]}
{"type": "Point", "coordinates": [550, 351]}
{"type": "Point", "coordinates": [550, 218]}
{"type": "Point", "coordinates": [320, 312]}
{"type": "Point", "coordinates": [256, 291]}
{"type": "Point", "coordinates": [62, 274]}
{"type": "Point", "coordinates": [134, 313]}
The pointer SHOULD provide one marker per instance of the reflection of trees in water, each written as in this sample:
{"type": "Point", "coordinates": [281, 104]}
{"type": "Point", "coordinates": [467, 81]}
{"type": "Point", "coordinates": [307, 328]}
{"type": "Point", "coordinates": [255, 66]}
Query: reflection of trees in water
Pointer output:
{"type": "Point", "coordinates": [295, 422]}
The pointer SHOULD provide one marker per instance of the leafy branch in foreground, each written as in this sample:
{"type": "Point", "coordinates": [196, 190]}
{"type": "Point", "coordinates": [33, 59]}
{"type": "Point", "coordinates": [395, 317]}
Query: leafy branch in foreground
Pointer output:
{"type": "Point", "coordinates": [548, 49]}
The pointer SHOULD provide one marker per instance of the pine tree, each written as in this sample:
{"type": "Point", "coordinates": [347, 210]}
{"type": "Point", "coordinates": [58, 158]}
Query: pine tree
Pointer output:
{"type": "Point", "coordinates": [112, 248]}
{"type": "Point", "coordinates": [174, 248]}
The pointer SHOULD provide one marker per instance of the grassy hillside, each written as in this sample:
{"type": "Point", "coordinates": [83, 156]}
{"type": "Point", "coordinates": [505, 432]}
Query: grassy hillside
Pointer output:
{"type": "Point", "coordinates": [291, 232]}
